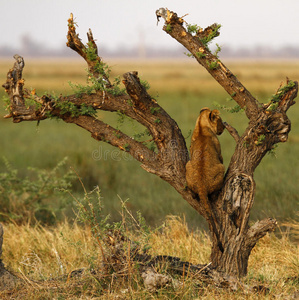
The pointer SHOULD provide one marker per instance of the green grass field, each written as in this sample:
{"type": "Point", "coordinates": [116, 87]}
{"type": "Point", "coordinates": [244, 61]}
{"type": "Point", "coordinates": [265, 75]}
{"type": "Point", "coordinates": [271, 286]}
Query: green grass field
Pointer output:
{"type": "Point", "coordinates": [44, 257]}
{"type": "Point", "coordinates": [182, 88]}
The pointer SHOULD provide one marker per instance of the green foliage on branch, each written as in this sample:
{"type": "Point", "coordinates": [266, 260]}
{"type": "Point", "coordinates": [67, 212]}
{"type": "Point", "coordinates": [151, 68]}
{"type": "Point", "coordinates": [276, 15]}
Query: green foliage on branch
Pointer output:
{"type": "Point", "coordinates": [193, 28]}
{"type": "Point", "coordinates": [116, 90]}
{"type": "Point", "coordinates": [80, 89]}
{"type": "Point", "coordinates": [200, 54]}
{"type": "Point", "coordinates": [90, 51]}
{"type": "Point", "coordinates": [282, 91]}
{"type": "Point", "coordinates": [279, 94]}
{"type": "Point", "coordinates": [213, 65]}
{"type": "Point", "coordinates": [145, 84]}
{"type": "Point", "coordinates": [97, 82]}
{"type": "Point", "coordinates": [214, 33]}
{"type": "Point", "coordinates": [67, 107]}
{"type": "Point", "coordinates": [234, 109]}
{"type": "Point", "coordinates": [168, 28]}
{"type": "Point", "coordinates": [217, 51]}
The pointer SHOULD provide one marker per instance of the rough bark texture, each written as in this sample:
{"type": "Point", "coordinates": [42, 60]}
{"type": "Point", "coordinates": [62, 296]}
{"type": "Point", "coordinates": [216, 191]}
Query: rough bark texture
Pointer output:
{"type": "Point", "coordinates": [268, 125]}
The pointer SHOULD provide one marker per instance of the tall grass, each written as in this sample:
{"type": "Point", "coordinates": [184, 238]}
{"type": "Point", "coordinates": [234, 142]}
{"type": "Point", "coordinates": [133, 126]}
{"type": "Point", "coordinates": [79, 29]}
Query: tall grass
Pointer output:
{"type": "Point", "coordinates": [45, 259]}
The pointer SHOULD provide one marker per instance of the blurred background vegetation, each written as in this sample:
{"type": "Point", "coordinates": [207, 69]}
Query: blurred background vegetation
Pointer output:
{"type": "Point", "coordinates": [182, 88]}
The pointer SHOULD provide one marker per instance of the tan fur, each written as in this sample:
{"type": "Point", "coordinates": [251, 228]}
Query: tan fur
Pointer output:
{"type": "Point", "coordinates": [205, 170]}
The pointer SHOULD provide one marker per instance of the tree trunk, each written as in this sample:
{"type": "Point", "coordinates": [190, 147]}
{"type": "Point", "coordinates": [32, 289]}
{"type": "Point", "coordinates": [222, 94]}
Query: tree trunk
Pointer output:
{"type": "Point", "coordinates": [268, 125]}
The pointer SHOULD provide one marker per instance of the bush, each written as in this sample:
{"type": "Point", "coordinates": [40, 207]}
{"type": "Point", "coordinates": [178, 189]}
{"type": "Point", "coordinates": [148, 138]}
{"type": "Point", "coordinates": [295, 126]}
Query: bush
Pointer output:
{"type": "Point", "coordinates": [33, 198]}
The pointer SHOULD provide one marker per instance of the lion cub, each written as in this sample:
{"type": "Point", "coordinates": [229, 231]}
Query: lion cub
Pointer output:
{"type": "Point", "coordinates": [205, 170]}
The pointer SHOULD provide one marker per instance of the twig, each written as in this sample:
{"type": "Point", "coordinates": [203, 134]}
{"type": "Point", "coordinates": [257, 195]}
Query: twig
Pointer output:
{"type": "Point", "coordinates": [202, 269]}
{"type": "Point", "coordinates": [232, 131]}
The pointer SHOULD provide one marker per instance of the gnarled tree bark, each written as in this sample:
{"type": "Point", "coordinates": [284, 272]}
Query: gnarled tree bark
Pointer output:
{"type": "Point", "coordinates": [268, 125]}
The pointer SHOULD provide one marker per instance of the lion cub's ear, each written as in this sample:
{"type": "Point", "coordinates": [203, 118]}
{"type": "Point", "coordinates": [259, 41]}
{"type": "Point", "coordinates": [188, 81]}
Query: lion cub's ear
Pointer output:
{"type": "Point", "coordinates": [204, 108]}
{"type": "Point", "coordinates": [214, 115]}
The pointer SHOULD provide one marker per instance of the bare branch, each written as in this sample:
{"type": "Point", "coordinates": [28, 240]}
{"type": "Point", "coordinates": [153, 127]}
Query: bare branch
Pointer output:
{"type": "Point", "coordinates": [198, 48]}
{"type": "Point", "coordinates": [259, 230]}
{"type": "Point", "coordinates": [232, 131]}
{"type": "Point", "coordinates": [103, 132]}
{"type": "Point", "coordinates": [162, 127]}
{"type": "Point", "coordinates": [13, 86]}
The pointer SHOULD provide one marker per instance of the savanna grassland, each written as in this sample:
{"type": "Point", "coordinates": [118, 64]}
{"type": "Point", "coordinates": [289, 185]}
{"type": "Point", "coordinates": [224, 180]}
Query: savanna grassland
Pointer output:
{"type": "Point", "coordinates": [182, 88]}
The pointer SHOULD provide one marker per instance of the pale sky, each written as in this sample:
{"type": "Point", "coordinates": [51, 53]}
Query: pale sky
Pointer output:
{"type": "Point", "coordinates": [122, 23]}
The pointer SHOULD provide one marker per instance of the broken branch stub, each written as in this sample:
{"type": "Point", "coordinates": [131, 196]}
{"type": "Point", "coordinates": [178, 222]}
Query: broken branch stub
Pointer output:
{"type": "Point", "coordinates": [19, 110]}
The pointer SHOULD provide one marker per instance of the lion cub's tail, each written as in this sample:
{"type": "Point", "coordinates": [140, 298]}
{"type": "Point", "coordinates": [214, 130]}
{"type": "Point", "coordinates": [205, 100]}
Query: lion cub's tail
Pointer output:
{"type": "Point", "coordinates": [211, 219]}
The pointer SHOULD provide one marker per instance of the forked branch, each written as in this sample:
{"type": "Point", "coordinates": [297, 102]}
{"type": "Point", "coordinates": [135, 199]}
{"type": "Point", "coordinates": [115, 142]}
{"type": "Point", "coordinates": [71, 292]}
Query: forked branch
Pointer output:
{"type": "Point", "coordinates": [170, 157]}
{"type": "Point", "coordinates": [89, 52]}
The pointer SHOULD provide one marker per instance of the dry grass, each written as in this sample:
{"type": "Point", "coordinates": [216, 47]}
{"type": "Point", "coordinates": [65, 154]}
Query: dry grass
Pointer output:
{"type": "Point", "coordinates": [40, 254]}
{"type": "Point", "coordinates": [164, 76]}
{"type": "Point", "coordinates": [186, 76]}
{"type": "Point", "coordinates": [45, 253]}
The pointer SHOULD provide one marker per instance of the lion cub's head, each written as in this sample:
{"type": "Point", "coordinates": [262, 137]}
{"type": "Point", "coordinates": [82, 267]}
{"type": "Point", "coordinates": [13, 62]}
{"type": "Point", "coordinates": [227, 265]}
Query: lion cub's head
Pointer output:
{"type": "Point", "coordinates": [211, 119]}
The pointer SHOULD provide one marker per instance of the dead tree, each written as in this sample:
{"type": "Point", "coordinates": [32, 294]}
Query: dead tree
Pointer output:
{"type": "Point", "coordinates": [268, 124]}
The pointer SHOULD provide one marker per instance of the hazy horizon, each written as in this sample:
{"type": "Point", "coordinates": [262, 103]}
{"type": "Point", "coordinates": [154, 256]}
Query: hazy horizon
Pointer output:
{"type": "Point", "coordinates": [125, 24]}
